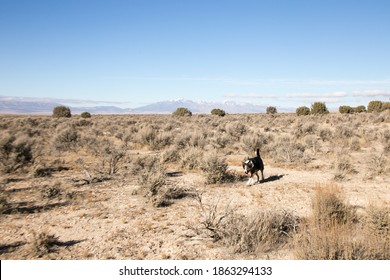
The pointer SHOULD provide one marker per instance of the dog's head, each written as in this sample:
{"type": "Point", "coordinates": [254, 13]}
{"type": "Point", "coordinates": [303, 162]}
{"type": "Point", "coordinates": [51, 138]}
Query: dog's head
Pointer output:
{"type": "Point", "coordinates": [247, 165]}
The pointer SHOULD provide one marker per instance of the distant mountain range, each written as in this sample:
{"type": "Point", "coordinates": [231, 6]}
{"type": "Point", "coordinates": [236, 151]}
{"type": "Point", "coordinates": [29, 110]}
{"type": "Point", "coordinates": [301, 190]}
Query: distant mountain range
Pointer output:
{"type": "Point", "coordinates": [20, 106]}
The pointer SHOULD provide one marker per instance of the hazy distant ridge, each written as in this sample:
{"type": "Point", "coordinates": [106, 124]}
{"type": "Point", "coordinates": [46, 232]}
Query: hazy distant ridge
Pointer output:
{"type": "Point", "coordinates": [163, 107]}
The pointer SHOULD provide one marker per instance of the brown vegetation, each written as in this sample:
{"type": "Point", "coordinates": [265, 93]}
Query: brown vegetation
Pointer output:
{"type": "Point", "coordinates": [168, 187]}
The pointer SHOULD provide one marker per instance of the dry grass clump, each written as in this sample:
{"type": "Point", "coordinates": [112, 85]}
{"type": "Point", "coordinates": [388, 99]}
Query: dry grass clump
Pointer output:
{"type": "Point", "coordinates": [44, 243]}
{"type": "Point", "coordinates": [5, 206]}
{"type": "Point", "coordinates": [343, 167]}
{"type": "Point", "coordinates": [286, 150]}
{"type": "Point", "coordinates": [378, 220]}
{"type": "Point", "coordinates": [151, 174]}
{"type": "Point", "coordinates": [335, 232]}
{"type": "Point", "coordinates": [65, 138]}
{"type": "Point", "coordinates": [215, 169]}
{"type": "Point", "coordinates": [261, 231]}
{"type": "Point", "coordinates": [51, 192]}
{"type": "Point", "coordinates": [16, 151]}
{"type": "Point", "coordinates": [329, 208]}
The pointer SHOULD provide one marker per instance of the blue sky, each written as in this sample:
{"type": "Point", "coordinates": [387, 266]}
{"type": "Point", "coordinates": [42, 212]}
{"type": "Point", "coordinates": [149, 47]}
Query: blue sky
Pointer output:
{"type": "Point", "coordinates": [135, 52]}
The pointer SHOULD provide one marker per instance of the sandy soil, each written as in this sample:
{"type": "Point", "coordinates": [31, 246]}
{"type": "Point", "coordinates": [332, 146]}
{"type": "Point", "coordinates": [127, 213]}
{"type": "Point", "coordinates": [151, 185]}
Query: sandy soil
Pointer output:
{"type": "Point", "coordinates": [112, 220]}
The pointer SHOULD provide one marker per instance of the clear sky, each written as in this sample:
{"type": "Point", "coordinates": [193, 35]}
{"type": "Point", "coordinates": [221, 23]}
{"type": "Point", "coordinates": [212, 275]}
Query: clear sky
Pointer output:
{"type": "Point", "coordinates": [134, 52]}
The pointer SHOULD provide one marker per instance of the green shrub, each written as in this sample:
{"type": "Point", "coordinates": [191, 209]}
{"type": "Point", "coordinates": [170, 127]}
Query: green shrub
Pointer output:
{"type": "Point", "coordinates": [61, 112]}
{"type": "Point", "coordinates": [271, 110]}
{"type": "Point", "coordinates": [346, 109]}
{"type": "Point", "coordinates": [303, 111]}
{"type": "Point", "coordinates": [359, 109]}
{"type": "Point", "coordinates": [385, 106]}
{"type": "Point", "coordinates": [218, 112]}
{"type": "Point", "coordinates": [85, 115]}
{"type": "Point", "coordinates": [319, 108]}
{"type": "Point", "coordinates": [182, 112]}
{"type": "Point", "coordinates": [374, 106]}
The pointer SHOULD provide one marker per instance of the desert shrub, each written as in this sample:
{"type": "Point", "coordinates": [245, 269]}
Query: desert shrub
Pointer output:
{"type": "Point", "coordinates": [171, 155]}
{"type": "Point", "coordinates": [214, 168]}
{"type": "Point", "coordinates": [329, 233]}
{"type": "Point", "coordinates": [385, 106]}
{"type": "Point", "coordinates": [325, 134]}
{"type": "Point", "coordinates": [218, 112]}
{"type": "Point", "coordinates": [61, 112]}
{"type": "Point", "coordinates": [364, 239]}
{"type": "Point", "coordinates": [66, 138]}
{"type": "Point", "coordinates": [162, 140]}
{"type": "Point", "coordinates": [346, 109]}
{"type": "Point", "coordinates": [285, 149]}
{"type": "Point", "coordinates": [359, 109]}
{"type": "Point", "coordinates": [151, 174]}
{"type": "Point", "coordinates": [343, 131]}
{"type": "Point", "coordinates": [221, 141]}
{"type": "Point", "coordinates": [5, 206]}
{"type": "Point", "coordinates": [261, 231]}
{"type": "Point", "coordinates": [182, 140]}
{"type": "Point", "coordinates": [111, 157]}
{"type": "Point", "coordinates": [191, 158]}
{"type": "Point", "coordinates": [236, 129]}
{"type": "Point", "coordinates": [251, 142]}
{"type": "Point", "coordinates": [319, 108]}
{"type": "Point", "coordinates": [197, 139]}
{"type": "Point", "coordinates": [182, 112]}
{"type": "Point", "coordinates": [44, 243]}
{"type": "Point", "coordinates": [343, 167]}
{"type": "Point", "coordinates": [332, 244]}
{"type": "Point", "coordinates": [378, 220]}
{"type": "Point", "coordinates": [51, 192]}
{"type": "Point", "coordinates": [329, 208]}
{"type": "Point", "coordinates": [85, 115]}
{"type": "Point", "coordinates": [146, 136]}
{"type": "Point", "coordinates": [303, 111]}
{"type": "Point", "coordinates": [377, 164]}
{"type": "Point", "coordinates": [305, 129]}
{"type": "Point", "coordinates": [271, 110]}
{"type": "Point", "coordinates": [311, 142]}
{"type": "Point", "coordinates": [15, 152]}
{"type": "Point", "coordinates": [374, 106]}
{"type": "Point", "coordinates": [169, 193]}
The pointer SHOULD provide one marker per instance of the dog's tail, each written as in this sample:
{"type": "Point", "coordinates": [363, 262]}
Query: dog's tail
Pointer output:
{"type": "Point", "coordinates": [258, 152]}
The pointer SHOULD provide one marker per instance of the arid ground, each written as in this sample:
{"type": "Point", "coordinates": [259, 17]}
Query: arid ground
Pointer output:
{"type": "Point", "coordinates": [166, 187]}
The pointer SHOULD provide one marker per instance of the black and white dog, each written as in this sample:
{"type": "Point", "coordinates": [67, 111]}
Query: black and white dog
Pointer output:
{"type": "Point", "coordinates": [253, 166]}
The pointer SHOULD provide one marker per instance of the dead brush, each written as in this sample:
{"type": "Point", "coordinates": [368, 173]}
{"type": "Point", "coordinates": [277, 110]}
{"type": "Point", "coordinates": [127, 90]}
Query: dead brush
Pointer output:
{"type": "Point", "coordinates": [329, 208]}
{"type": "Point", "coordinates": [212, 217]}
{"type": "Point", "coordinates": [343, 167]}
{"type": "Point", "coordinates": [51, 192]}
{"type": "Point", "coordinates": [215, 169]}
{"type": "Point", "coordinates": [334, 243]}
{"type": "Point", "coordinates": [334, 231]}
{"type": "Point", "coordinates": [377, 164]}
{"type": "Point", "coordinates": [168, 194]}
{"type": "Point", "coordinates": [44, 243]}
{"type": "Point", "coordinates": [151, 174]}
{"type": "Point", "coordinates": [340, 242]}
{"type": "Point", "coordinates": [378, 220]}
{"type": "Point", "coordinates": [261, 231]}
{"type": "Point", "coordinates": [5, 206]}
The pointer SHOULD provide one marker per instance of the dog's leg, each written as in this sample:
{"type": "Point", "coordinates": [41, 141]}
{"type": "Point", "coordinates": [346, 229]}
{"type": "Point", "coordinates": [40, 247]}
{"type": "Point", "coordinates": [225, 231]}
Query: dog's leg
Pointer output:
{"type": "Point", "coordinates": [262, 175]}
{"type": "Point", "coordinates": [258, 178]}
{"type": "Point", "coordinates": [249, 181]}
